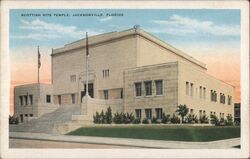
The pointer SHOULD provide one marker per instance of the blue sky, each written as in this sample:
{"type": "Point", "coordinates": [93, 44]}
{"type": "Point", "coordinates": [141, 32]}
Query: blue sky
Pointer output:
{"type": "Point", "coordinates": [177, 27]}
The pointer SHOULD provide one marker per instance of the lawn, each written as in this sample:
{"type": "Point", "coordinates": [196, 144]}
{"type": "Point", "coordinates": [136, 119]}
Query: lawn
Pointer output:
{"type": "Point", "coordinates": [161, 132]}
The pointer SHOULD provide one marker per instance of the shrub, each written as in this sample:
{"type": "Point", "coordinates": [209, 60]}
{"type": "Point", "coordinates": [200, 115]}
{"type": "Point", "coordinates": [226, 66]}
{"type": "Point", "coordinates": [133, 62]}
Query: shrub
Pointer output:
{"type": "Point", "coordinates": [165, 118]}
{"type": "Point", "coordinates": [97, 119]}
{"type": "Point", "coordinates": [102, 117]}
{"type": "Point", "coordinates": [229, 121]}
{"type": "Point", "coordinates": [137, 121]}
{"type": "Point", "coordinates": [175, 119]}
{"type": "Point", "coordinates": [214, 120]}
{"type": "Point", "coordinates": [204, 119]}
{"type": "Point", "coordinates": [129, 118]}
{"type": "Point", "coordinates": [191, 119]}
{"type": "Point", "coordinates": [118, 119]}
{"type": "Point", "coordinates": [108, 115]}
{"type": "Point", "coordinates": [222, 122]}
{"type": "Point", "coordinates": [13, 120]}
{"type": "Point", "coordinates": [154, 120]}
{"type": "Point", "coordinates": [146, 121]}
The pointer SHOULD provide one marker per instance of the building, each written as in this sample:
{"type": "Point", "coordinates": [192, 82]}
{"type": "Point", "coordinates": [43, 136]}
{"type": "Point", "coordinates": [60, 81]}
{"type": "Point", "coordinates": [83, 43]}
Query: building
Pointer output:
{"type": "Point", "coordinates": [33, 100]}
{"type": "Point", "coordinates": [133, 71]}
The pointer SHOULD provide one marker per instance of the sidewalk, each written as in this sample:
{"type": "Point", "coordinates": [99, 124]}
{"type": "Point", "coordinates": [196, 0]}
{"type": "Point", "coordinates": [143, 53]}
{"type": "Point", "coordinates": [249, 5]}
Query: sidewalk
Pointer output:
{"type": "Point", "coordinates": [220, 144]}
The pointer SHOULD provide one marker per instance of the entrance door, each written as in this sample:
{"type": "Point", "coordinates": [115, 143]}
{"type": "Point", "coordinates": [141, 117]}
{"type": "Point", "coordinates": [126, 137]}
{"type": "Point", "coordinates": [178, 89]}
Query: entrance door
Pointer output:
{"type": "Point", "coordinates": [91, 90]}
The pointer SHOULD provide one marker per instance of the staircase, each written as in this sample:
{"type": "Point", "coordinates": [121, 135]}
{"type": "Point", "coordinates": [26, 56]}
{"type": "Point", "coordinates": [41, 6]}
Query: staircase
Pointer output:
{"type": "Point", "coordinates": [47, 122]}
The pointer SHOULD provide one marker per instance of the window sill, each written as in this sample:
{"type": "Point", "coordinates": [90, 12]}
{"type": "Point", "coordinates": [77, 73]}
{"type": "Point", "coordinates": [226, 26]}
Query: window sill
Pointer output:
{"type": "Point", "coordinates": [149, 96]}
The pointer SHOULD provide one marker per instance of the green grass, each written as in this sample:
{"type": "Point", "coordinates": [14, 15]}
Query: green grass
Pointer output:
{"type": "Point", "coordinates": [159, 132]}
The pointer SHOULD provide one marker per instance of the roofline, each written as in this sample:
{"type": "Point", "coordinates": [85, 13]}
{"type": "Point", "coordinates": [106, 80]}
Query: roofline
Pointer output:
{"type": "Point", "coordinates": [130, 32]}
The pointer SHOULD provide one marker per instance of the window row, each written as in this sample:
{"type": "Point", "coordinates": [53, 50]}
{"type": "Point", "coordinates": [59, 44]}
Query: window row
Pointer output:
{"type": "Point", "coordinates": [222, 98]}
{"type": "Point", "coordinates": [26, 100]}
{"type": "Point", "coordinates": [148, 113]}
{"type": "Point", "coordinates": [190, 90]}
{"type": "Point", "coordinates": [105, 73]}
{"type": "Point", "coordinates": [148, 88]}
{"type": "Point", "coordinates": [106, 94]}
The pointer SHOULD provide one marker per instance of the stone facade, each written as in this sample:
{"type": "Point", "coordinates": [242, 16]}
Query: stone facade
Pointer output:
{"type": "Point", "coordinates": [33, 100]}
{"type": "Point", "coordinates": [118, 61]}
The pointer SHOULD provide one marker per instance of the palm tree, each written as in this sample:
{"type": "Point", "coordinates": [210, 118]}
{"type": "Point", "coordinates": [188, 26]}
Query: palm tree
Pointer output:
{"type": "Point", "coordinates": [182, 111]}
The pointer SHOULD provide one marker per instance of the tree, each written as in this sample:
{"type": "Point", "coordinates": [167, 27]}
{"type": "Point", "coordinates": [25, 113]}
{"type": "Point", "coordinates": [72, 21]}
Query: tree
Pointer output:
{"type": "Point", "coordinates": [182, 111]}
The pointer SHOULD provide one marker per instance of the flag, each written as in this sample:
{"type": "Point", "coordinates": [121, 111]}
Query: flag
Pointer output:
{"type": "Point", "coordinates": [87, 44]}
{"type": "Point", "coordinates": [39, 58]}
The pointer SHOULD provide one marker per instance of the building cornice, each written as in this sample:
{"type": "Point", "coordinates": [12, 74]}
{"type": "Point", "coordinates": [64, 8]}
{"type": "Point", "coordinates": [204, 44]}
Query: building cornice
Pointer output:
{"type": "Point", "coordinates": [108, 37]}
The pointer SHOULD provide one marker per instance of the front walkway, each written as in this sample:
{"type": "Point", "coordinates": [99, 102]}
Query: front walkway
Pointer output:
{"type": "Point", "coordinates": [220, 144]}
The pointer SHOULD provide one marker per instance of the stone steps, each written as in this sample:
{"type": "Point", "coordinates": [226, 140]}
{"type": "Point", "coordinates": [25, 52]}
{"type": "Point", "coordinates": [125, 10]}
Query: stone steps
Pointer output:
{"type": "Point", "coordinates": [47, 122]}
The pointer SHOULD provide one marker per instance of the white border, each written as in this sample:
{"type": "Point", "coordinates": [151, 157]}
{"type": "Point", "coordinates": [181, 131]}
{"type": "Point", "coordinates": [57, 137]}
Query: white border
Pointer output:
{"type": "Point", "coordinates": [124, 153]}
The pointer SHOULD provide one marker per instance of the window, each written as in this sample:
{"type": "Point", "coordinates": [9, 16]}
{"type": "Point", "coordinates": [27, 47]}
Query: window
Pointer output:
{"type": "Point", "coordinates": [138, 113]}
{"type": "Point", "coordinates": [26, 115]}
{"type": "Point", "coordinates": [148, 113]}
{"type": "Point", "coordinates": [222, 98]}
{"type": "Point", "coordinates": [191, 89]}
{"type": "Point", "coordinates": [106, 94]}
{"type": "Point", "coordinates": [31, 115]}
{"type": "Point", "coordinates": [213, 96]}
{"type": "Point", "coordinates": [73, 99]}
{"type": "Point", "coordinates": [21, 100]}
{"type": "Point", "coordinates": [229, 100]}
{"type": "Point", "coordinates": [122, 93]}
{"type": "Point", "coordinates": [48, 98]}
{"type": "Point", "coordinates": [191, 111]}
{"type": "Point", "coordinates": [200, 92]}
{"type": "Point", "coordinates": [26, 100]}
{"type": "Point", "coordinates": [187, 88]}
{"type": "Point", "coordinates": [31, 99]}
{"type": "Point", "coordinates": [159, 87]}
{"type": "Point", "coordinates": [204, 93]}
{"type": "Point", "coordinates": [158, 113]}
{"type": "Point", "coordinates": [138, 89]}
{"type": "Point", "coordinates": [59, 99]}
{"type": "Point", "coordinates": [148, 87]}
{"type": "Point", "coordinates": [73, 78]}
{"type": "Point", "coordinates": [105, 73]}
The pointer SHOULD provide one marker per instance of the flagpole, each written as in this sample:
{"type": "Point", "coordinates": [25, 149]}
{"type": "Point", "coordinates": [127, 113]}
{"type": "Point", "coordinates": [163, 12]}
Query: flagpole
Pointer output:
{"type": "Point", "coordinates": [38, 66]}
{"type": "Point", "coordinates": [87, 67]}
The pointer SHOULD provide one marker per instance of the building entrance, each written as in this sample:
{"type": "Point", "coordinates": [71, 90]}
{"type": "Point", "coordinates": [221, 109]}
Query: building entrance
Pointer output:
{"type": "Point", "coordinates": [91, 91]}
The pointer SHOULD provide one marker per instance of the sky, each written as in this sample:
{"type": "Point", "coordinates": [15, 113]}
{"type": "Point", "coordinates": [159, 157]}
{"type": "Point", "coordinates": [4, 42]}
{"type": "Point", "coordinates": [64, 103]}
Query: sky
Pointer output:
{"type": "Point", "coordinates": [209, 35]}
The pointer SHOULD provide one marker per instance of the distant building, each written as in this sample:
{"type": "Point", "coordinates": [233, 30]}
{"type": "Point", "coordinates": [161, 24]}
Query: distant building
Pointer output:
{"type": "Point", "coordinates": [133, 71]}
{"type": "Point", "coordinates": [237, 112]}
{"type": "Point", "coordinates": [33, 100]}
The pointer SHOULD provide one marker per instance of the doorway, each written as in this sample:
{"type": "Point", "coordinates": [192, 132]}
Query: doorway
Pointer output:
{"type": "Point", "coordinates": [91, 91]}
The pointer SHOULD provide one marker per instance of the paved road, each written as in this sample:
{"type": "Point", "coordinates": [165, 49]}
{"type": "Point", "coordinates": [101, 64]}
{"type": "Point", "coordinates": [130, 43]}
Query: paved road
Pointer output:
{"type": "Point", "coordinates": [22, 143]}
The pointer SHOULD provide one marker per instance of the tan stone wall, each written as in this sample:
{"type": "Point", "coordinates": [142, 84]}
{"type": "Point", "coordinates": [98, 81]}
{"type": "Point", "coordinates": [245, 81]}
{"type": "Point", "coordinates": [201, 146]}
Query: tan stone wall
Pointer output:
{"type": "Point", "coordinates": [199, 78]}
{"type": "Point", "coordinates": [40, 106]}
{"type": "Point", "coordinates": [150, 53]}
{"type": "Point", "coordinates": [166, 72]}
{"type": "Point", "coordinates": [115, 56]}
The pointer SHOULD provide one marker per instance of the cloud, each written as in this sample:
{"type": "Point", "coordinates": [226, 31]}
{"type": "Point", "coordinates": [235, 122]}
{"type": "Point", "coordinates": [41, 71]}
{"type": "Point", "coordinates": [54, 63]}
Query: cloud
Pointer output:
{"type": "Point", "coordinates": [105, 19]}
{"type": "Point", "coordinates": [46, 31]}
{"type": "Point", "coordinates": [183, 25]}
{"type": "Point", "coordinates": [36, 36]}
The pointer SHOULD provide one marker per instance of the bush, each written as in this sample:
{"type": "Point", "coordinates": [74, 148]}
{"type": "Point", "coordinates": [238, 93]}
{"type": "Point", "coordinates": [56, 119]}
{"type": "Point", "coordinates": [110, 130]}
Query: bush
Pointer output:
{"type": "Point", "coordinates": [97, 119]}
{"type": "Point", "coordinates": [165, 118]}
{"type": "Point", "coordinates": [154, 120]}
{"type": "Point", "coordinates": [229, 121]}
{"type": "Point", "coordinates": [137, 121]}
{"type": "Point", "coordinates": [222, 122]}
{"type": "Point", "coordinates": [175, 119]}
{"type": "Point", "coordinates": [108, 115]}
{"type": "Point", "coordinates": [191, 119]}
{"type": "Point", "coordinates": [214, 120]}
{"type": "Point", "coordinates": [118, 118]}
{"type": "Point", "coordinates": [204, 119]}
{"type": "Point", "coordinates": [13, 120]}
{"type": "Point", "coordinates": [146, 121]}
